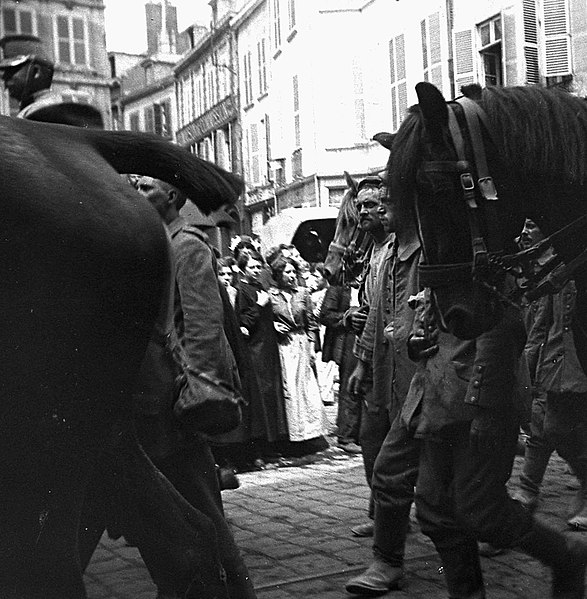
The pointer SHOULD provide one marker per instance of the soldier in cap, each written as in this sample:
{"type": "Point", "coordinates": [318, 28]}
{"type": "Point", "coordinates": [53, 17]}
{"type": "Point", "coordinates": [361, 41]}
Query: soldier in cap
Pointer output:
{"type": "Point", "coordinates": [27, 73]}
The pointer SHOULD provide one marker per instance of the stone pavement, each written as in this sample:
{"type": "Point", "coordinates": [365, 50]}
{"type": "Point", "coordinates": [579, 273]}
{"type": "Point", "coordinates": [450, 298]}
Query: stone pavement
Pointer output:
{"type": "Point", "coordinates": [292, 525]}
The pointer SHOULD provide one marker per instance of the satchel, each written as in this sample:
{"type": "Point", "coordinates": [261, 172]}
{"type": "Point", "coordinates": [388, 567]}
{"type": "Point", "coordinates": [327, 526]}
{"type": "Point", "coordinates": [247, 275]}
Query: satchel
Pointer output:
{"type": "Point", "coordinates": [202, 402]}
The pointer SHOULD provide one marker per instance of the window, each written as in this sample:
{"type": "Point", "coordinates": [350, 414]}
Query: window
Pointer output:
{"type": "Point", "coordinates": [254, 154]}
{"type": "Point", "coordinates": [262, 66]}
{"type": "Point", "coordinates": [359, 100]}
{"type": "Point", "coordinates": [149, 117]}
{"type": "Point", "coordinates": [276, 25]}
{"type": "Point", "coordinates": [292, 13]}
{"type": "Point", "coordinates": [431, 38]}
{"type": "Point", "coordinates": [71, 40]}
{"type": "Point", "coordinates": [17, 20]}
{"type": "Point", "coordinates": [296, 111]}
{"type": "Point", "coordinates": [248, 79]}
{"type": "Point", "coordinates": [489, 36]}
{"type": "Point", "coordinates": [210, 87]}
{"type": "Point", "coordinates": [162, 118]}
{"type": "Point", "coordinates": [134, 121]}
{"type": "Point", "coordinates": [399, 94]}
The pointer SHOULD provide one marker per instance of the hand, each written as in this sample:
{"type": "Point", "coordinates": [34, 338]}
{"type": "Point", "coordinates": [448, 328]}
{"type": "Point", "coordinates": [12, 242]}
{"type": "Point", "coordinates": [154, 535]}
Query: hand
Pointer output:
{"type": "Point", "coordinates": [486, 432]}
{"type": "Point", "coordinates": [281, 328]}
{"type": "Point", "coordinates": [358, 320]}
{"type": "Point", "coordinates": [355, 382]}
{"type": "Point", "coordinates": [263, 298]}
{"type": "Point", "coordinates": [422, 347]}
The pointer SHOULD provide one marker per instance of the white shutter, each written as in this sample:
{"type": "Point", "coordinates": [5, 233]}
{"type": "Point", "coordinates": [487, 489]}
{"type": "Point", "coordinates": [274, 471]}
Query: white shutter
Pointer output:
{"type": "Point", "coordinates": [397, 66]}
{"type": "Point", "coordinates": [430, 32]}
{"type": "Point", "coordinates": [464, 58]}
{"type": "Point", "coordinates": [531, 62]}
{"type": "Point", "coordinates": [557, 49]}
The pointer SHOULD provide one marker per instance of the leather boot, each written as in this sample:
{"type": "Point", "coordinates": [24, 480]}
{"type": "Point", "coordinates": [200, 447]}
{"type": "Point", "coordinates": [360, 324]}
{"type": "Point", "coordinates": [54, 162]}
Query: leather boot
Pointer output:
{"type": "Point", "coordinates": [578, 521]}
{"type": "Point", "coordinates": [379, 578]}
{"type": "Point", "coordinates": [462, 571]}
{"type": "Point", "coordinates": [567, 558]}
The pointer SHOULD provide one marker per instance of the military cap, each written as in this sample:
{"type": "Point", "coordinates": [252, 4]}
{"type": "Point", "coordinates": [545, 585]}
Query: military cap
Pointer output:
{"type": "Point", "coordinates": [371, 181]}
{"type": "Point", "coordinates": [19, 48]}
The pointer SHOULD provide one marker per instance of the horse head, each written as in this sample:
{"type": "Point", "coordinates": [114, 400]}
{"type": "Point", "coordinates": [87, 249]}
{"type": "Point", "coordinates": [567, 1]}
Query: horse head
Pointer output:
{"type": "Point", "coordinates": [341, 261]}
{"type": "Point", "coordinates": [434, 175]}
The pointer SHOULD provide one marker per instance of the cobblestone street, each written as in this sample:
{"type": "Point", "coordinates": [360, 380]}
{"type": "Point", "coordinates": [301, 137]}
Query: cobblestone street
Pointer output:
{"type": "Point", "coordinates": [293, 527]}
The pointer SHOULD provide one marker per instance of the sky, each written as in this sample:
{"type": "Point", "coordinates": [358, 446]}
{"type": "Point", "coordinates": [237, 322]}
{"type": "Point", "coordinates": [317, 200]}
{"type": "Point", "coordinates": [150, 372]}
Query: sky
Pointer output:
{"type": "Point", "coordinates": [125, 22]}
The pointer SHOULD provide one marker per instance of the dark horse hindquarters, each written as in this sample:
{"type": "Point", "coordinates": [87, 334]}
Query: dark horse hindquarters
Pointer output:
{"type": "Point", "coordinates": [84, 270]}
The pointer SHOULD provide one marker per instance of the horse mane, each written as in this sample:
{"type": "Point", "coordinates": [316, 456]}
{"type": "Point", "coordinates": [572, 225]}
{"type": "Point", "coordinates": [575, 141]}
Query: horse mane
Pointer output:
{"type": "Point", "coordinates": [542, 132]}
{"type": "Point", "coordinates": [347, 213]}
{"type": "Point", "coordinates": [542, 136]}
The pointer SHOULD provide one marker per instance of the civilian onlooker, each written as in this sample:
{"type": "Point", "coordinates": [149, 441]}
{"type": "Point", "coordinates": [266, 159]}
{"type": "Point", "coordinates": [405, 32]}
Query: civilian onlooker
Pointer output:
{"type": "Point", "coordinates": [338, 347]}
{"type": "Point", "coordinates": [296, 328]}
{"type": "Point", "coordinates": [228, 277]}
{"type": "Point", "coordinates": [255, 317]}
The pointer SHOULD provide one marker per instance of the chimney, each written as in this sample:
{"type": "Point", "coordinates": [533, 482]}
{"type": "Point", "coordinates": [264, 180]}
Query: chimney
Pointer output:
{"type": "Point", "coordinates": [161, 27]}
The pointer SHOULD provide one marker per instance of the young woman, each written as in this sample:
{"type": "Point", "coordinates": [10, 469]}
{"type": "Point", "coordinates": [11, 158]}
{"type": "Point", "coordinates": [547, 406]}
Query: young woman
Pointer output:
{"type": "Point", "coordinates": [296, 327]}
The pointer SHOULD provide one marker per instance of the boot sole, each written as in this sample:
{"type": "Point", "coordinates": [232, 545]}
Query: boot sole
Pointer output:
{"type": "Point", "coordinates": [358, 589]}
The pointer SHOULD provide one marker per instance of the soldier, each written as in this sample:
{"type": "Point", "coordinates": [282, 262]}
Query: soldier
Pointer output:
{"type": "Point", "coordinates": [27, 73]}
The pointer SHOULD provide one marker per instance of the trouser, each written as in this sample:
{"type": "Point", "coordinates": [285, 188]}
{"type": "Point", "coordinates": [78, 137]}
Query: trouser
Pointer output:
{"type": "Point", "coordinates": [565, 426]}
{"type": "Point", "coordinates": [461, 498]}
{"type": "Point", "coordinates": [348, 416]}
{"type": "Point", "coordinates": [394, 478]}
{"type": "Point", "coordinates": [461, 494]}
{"type": "Point", "coordinates": [375, 423]}
{"type": "Point", "coordinates": [192, 472]}
{"type": "Point", "coordinates": [182, 535]}
{"type": "Point", "coordinates": [537, 451]}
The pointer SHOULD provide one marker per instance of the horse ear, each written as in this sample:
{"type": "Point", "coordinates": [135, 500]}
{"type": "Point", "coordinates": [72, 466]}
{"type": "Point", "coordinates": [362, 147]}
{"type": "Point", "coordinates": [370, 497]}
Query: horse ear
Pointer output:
{"type": "Point", "coordinates": [352, 184]}
{"type": "Point", "coordinates": [472, 91]}
{"type": "Point", "coordinates": [433, 107]}
{"type": "Point", "coordinates": [385, 139]}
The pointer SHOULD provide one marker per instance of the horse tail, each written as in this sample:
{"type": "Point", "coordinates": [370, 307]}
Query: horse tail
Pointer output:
{"type": "Point", "coordinates": [205, 184]}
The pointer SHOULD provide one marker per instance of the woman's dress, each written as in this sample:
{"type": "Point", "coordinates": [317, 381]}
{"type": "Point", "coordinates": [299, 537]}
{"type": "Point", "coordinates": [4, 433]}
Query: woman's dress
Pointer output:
{"type": "Point", "coordinates": [306, 418]}
{"type": "Point", "coordinates": [268, 419]}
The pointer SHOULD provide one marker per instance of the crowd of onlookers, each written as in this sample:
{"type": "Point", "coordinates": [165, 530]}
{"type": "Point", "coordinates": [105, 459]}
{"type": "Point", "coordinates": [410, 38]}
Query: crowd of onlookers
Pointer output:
{"type": "Point", "coordinates": [276, 299]}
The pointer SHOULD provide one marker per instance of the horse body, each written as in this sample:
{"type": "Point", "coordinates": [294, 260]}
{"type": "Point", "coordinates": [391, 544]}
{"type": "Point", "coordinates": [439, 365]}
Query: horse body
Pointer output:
{"type": "Point", "coordinates": [84, 271]}
{"type": "Point", "coordinates": [535, 144]}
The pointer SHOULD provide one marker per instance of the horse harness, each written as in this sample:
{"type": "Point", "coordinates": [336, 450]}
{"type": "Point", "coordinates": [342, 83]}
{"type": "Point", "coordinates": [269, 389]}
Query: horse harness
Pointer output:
{"type": "Point", "coordinates": [489, 264]}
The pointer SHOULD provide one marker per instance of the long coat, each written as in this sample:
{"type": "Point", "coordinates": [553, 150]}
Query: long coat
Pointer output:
{"type": "Point", "coordinates": [270, 421]}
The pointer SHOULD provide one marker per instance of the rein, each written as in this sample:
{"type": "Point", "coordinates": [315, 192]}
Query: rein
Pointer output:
{"type": "Point", "coordinates": [489, 264]}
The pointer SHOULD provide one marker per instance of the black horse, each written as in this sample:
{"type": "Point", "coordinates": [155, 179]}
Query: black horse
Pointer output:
{"type": "Point", "coordinates": [85, 270]}
{"type": "Point", "coordinates": [470, 171]}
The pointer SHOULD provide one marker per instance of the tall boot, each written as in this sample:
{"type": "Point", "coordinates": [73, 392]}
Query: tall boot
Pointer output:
{"type": "Point", "coordinates": [578, 521]}
{"type": "Point", "coordinates": [565, 556]}
{"type": "Point", "coordinates": [462, 571]}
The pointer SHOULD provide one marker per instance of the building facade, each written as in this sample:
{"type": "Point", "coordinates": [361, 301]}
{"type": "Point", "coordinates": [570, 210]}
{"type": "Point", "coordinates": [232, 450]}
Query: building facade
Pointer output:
{"type": "Point", "coordinates": [72, 32]}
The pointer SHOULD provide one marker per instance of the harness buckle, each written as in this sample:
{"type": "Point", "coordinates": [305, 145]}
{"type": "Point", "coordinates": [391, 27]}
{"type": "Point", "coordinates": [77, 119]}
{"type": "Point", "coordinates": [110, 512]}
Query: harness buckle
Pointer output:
{"type": "Point", "coordinates": [487, 188]}
{"type": "Point", "coordinates": [467, 182]}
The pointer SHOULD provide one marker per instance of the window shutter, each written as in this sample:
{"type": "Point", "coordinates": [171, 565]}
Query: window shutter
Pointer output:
{"type": "Point", "coordinates": [397, 70]}
{"type": "Point", "coordinates": [556, 38]}
{"type": "Point", "coordinates": [532, 70]}
{"type": "Point", "coordinates": [431, 40]}
{"type": "Point", "coordinates": [150, 119]}
{"type": "Point", "coordinates": [465, 65]}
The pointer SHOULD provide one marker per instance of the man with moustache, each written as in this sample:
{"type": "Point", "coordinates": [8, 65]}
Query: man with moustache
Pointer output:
{"type": "Point", "coordinates": [374, 418]}
{"type": "Point", "coordinates": [384, 345]}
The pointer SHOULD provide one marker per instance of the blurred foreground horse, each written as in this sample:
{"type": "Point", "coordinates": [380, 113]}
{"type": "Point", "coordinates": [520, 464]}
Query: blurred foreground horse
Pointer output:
{"type": "Point", "coordinates": [84, 271]}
